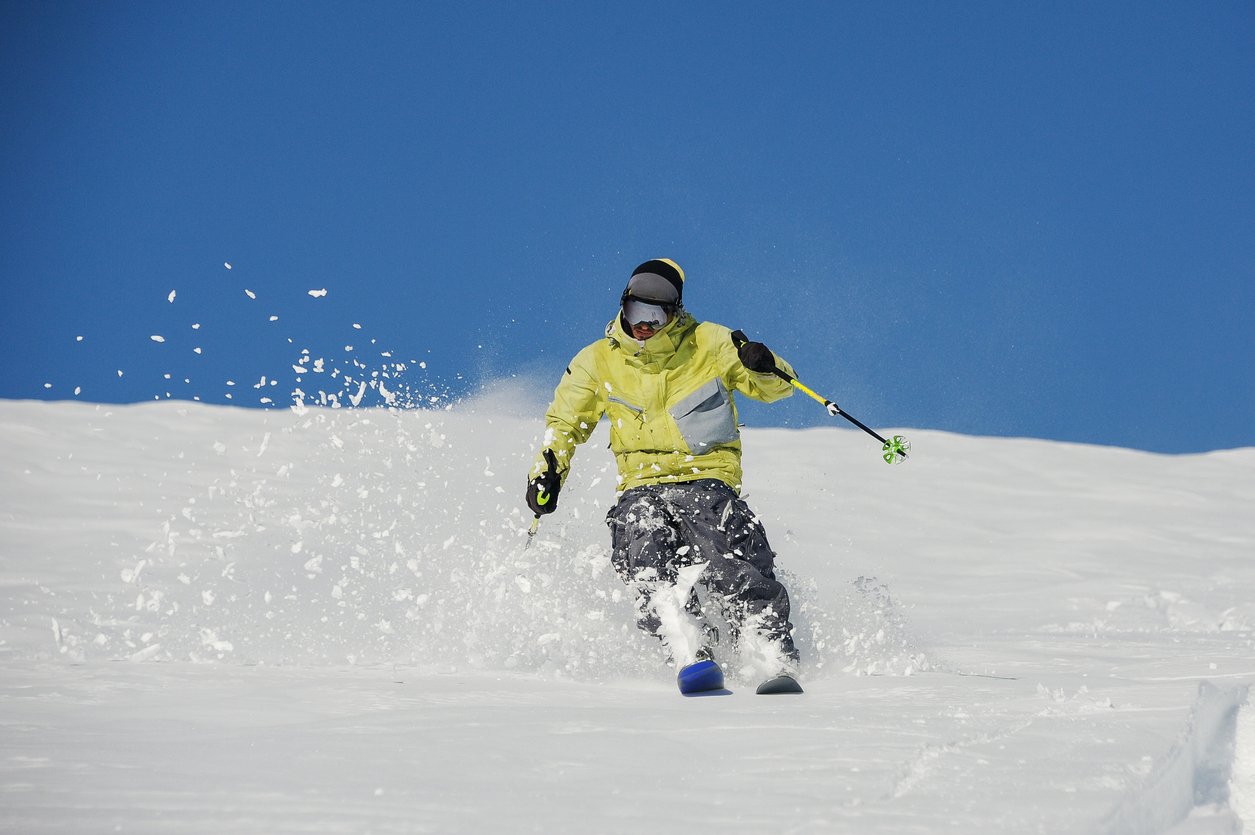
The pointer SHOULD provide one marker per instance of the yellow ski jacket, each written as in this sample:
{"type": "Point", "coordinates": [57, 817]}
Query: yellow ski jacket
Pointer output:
{"type": "Point", "coordinates": [670, 403]}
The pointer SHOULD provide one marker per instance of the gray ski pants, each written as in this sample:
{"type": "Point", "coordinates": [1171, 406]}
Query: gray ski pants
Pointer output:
{"type": "Point", "coordinates": [657, 530]}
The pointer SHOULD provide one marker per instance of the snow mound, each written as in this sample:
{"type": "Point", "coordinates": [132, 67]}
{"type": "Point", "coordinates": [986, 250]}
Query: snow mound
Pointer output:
{"type": "Point", "coordinates": [1005, 635]}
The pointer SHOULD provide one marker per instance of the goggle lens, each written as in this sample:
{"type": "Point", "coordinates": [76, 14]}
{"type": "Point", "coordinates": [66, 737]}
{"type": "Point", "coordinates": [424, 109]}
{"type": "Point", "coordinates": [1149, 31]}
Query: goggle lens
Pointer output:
{"type": "Point", "coordinates": [637, 313]}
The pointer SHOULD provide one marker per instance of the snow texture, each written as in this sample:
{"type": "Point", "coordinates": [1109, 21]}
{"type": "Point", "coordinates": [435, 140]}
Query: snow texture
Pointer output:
{"type": "Point", "coordinates": [324, 619]}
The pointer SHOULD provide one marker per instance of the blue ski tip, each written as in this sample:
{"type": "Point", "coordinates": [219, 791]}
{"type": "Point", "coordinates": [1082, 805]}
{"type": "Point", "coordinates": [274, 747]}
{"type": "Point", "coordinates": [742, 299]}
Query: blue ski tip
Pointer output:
{"type": "Point", "coordinates": [700, 678]}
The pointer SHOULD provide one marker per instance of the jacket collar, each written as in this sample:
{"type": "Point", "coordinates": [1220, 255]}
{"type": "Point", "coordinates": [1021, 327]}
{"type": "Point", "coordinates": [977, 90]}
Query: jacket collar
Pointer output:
{"type": "Point", "coordinates": [659, 347]}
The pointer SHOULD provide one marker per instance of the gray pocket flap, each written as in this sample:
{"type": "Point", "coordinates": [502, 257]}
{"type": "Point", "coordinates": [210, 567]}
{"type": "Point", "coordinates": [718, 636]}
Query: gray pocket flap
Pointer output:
{"type": "Point", "coordinates": [705, 417]}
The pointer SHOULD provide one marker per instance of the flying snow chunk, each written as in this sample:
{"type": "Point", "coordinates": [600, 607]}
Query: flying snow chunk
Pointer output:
{"type": "Point", "coordinates": [78, 339]}
{"type": "Point", "coordinates": [157, 338]}
{"type": "Point", "coordinates": [318, 294]}
{"type": "Point", "coordinates": [170, 298]}
{"type": "Point", "coordinates": [274, 318]}
{"type": "Point", "coordinates": [250, 294]}
{"type": "Point", "coordinates": [226, 264]}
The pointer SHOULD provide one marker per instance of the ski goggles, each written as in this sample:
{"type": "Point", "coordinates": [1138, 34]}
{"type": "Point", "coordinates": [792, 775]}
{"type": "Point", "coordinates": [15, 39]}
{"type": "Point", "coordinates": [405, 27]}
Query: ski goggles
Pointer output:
{"type": "Point", "coordinates": [638, 313]}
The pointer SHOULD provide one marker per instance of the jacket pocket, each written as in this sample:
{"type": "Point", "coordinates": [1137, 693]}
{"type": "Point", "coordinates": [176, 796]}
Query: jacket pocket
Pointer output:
{"type": "Point", "coordinates": [706, 418]}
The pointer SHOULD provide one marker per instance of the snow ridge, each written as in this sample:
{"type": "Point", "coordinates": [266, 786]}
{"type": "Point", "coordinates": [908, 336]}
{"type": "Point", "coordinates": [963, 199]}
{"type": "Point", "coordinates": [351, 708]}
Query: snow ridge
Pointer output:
{"type": "Point", "coordinates": [1197, 772]}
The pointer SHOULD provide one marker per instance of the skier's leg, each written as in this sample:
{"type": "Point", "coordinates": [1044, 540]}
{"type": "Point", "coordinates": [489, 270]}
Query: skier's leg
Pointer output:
{"type": "Point", "coordinates": [765, 599]}
{"type": "Point", "coordinates": [645, 544]}
{"type": "Point", "coordinates": [741, 568]}
{"type": "Point", "coordinates": [640, 540]}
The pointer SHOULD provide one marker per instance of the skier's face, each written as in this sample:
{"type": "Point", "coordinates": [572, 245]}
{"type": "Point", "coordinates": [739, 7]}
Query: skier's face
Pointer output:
{"type": "Point", "coordinates": [645, 319]}
{"type": "Point", "coordinates": [643, 331]}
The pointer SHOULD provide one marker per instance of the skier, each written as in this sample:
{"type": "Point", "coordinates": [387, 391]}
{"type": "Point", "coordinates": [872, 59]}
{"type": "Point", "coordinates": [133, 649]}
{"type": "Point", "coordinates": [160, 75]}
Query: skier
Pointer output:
{"type": "Point", "coordinates": [666, 383]}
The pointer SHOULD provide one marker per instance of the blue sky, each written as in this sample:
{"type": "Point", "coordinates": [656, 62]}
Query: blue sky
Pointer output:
{"type": "Point", "coordinates": [991, 218]}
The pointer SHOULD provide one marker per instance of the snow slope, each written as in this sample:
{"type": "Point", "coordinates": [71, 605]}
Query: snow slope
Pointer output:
{"type": "Point", "coordinates": [217, 619]}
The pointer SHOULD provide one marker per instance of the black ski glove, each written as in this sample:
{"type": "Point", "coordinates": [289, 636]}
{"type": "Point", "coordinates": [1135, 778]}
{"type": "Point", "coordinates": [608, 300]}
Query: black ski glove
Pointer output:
{"type": "Point", "coordinates": [754, 355]}
{"type": "Point", "coordinates": [542, 491]}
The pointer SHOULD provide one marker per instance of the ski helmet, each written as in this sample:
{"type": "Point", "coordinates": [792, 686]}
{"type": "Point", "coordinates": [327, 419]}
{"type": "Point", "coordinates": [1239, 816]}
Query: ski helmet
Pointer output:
{"type": "Point", "coordinates": [660, 281]}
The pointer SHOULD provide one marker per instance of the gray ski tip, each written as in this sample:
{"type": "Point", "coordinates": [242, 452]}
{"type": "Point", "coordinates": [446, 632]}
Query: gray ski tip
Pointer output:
{"type": "Point", "coordinates": [779, 686]}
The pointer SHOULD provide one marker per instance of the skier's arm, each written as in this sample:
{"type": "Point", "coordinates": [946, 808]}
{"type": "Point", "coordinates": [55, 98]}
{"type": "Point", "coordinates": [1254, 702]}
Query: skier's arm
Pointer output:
{"type": "Point", "coordinates": [765, 386]}
{"type": "Point", "coordinates": [577, 406]}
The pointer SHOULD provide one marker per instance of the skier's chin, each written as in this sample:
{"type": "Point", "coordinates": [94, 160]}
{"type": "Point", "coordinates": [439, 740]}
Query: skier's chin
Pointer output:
{"type": "Point", "coordinates": [642, 333]}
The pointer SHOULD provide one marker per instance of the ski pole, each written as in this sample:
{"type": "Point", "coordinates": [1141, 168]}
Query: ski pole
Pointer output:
{"type": "Point", "coordinates": [898, 446]}
{"type": "Point", "coordinates": [531, 532]}
{"type": "Point", "coordinates": [895, 450]}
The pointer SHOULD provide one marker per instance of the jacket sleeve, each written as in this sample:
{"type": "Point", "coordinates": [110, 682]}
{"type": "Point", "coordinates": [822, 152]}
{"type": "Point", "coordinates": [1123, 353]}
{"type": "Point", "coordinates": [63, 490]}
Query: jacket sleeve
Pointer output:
{"type": "Point", "coordinates": [767, 388]}
{"type": "Point", "coordinates": [578, 403]}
